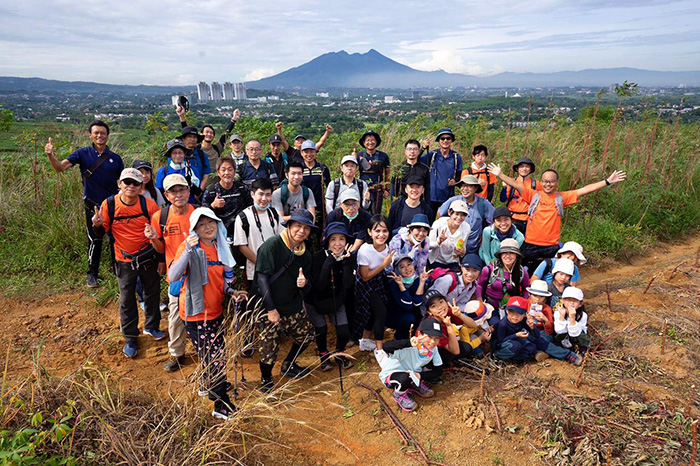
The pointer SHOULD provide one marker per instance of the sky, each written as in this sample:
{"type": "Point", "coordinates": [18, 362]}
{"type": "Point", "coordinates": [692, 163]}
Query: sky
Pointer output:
{"type": "Point", "coordinates": [183, 42]}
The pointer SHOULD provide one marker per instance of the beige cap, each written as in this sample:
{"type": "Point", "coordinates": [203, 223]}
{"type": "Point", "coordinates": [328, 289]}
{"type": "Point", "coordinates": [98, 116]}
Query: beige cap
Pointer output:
{"type": "Point", "coordinates": [459, 206]}
{"type": "Point", "coordinates": [174, 180]}
{"type": "Point", "coordinates": [132, 174]}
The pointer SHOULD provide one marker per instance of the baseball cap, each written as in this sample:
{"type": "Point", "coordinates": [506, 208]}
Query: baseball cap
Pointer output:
{"type": "Point", "coordinates": [235, 137]}
{"type": "Point", "coordinates": [174, 179]}
{"type": "Point", "coordinates": [348, 158]}
{"type": "Point", "coordinates": [473, 261]}
{"type": "Point", "coordinates": [517, 304]}
{"type": "Point", "coordinates": [502, 212]}
{"type": "Point", "coordinates": [459, 206]}
{"type": "Point", "coordinates": [572, 292]}
{"type": "Point", "coordinates": [299, 136]}
{"type": "Point", "coordinates": [308, 145]}
{"type": "Point", "coordinates": [563, 265]}
{"type": "Point", "coordinates": [415, 180]}
{"type": "Point", "coordinates": [349, 195]}
{"type": "Point", "coordinates": [142, 164]}
{"type": "Point", "coordinates": [275, 138]}
{"type": "Point", "coordinates": [430, 327]}
{"type": "Point", "coordinates": [397, 260]}
{"type": "Point", "coordinates": [132, 174]}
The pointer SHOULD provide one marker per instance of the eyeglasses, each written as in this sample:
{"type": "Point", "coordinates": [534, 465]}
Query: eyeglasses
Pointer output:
{"type": "Point", "coordinates": [550, 181]}
{"type": "Point", "coordinates": [254, 149]}
{"type": "Point", "coordinates": [130, 182]}
{"type": "Point", "coordinates": [412, 149]}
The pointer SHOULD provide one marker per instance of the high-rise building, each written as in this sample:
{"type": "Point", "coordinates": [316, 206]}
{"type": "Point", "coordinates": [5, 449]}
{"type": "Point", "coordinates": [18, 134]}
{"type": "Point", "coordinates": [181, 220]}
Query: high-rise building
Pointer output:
{"type": "Point", "coordinates": [240, 91]}
{"type": "Point", "coordinates": [216, 93]}
{"type": "Point", "coordinates": [229, 94]}
{"type": "Point", "coordinates": [203, 93]}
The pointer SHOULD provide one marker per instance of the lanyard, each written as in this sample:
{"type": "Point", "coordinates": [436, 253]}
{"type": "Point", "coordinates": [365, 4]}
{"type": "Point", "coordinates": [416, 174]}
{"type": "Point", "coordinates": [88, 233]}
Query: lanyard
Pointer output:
{"type": "Point", "coordinates": [259, 225]}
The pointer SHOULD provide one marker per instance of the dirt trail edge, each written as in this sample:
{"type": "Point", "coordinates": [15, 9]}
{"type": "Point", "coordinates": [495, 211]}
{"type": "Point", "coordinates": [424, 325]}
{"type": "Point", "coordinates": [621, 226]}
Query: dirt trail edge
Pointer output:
{"type": "Point", "coordinates": [621, 408]}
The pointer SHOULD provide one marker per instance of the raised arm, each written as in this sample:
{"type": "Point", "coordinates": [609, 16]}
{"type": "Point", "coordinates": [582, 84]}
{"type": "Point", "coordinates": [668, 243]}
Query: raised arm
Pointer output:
{"type": "Point", "coordinates": [616, 177]}
{"type": "Point", "coordinates": [322, 141]}
{"type": "Point", "coordinates": [285, 144]}
{"type": "Point", "coordinates": [58, 165]}
{"type": "Point", "coordinates": [496, 170]}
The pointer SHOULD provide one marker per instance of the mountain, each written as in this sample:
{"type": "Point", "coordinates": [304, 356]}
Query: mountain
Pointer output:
{"type": "Point", "coordinates": [8, 83]}
{"type": "Point", "coordinates": [374, 70]}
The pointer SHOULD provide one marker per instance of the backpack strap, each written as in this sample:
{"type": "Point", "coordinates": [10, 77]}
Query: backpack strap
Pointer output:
{"type": "Point", "coordinates": [164, 219]}
{"type": "Point", "coordinates": [336, 190]}
{"type": "Point", "coordinates": [558, 200]}
{"type": "Point", "coordinates": [88, 173]}
{"type": "Point", "coordinates": [549, 265]}
{"type": "Point", "coordinates": [111, 207]}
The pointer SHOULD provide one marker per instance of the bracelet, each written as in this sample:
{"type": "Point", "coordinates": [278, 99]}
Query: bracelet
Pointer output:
{"type": "Point", "coordinates": [607, 183]}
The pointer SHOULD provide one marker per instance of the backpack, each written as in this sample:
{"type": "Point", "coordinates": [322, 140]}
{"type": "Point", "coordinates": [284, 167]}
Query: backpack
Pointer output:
{"type": "Point", "coordinates": [284, 186]}
{"type": "Point", "coordinates": [558, 199]}
{"type": "Point", "coordinates": [164, 218]}
{"type": "Point", "coordinates": [433, 154]}
{"type": "Point", "coordinates": [497, 273]}
{"type": "Point", "coordinates": [111, 206]}
{"type": "Point", "coordinates": [489, 186]}
{"type": "Point", "coordinates": [336, 189]}
{"type": "Point", "coordinates": [533, 185]}
{"type": "Point", "coordinates": [439, 272]}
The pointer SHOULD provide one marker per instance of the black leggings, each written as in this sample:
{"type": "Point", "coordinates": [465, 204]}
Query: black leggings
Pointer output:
{"type": "Point", "coordinates": [400, 382]}
{"type": "Point", "coordinates": [377, 318]}
{"type": "Point", "coordinates": [342, 337]}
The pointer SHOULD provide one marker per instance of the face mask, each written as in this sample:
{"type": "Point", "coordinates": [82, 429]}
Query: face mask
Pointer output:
{"type": "Point", "coordinates": [353, 217]}
{"type": "Point", "coordinates": [262, 208]}
{"type": "Point", "coordinates": [408, 281]}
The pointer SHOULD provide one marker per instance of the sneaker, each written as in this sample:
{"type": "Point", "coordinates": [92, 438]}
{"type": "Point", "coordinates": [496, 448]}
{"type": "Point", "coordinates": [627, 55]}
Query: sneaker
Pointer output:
{"type": "Point", "coordinates": [367, 345]}
{"type": "Point", "coordinates": [205, 392]}
{"type": "Point", "coordinates": [541, 356]}
{"type": "Point", "coordinates": [291, 369]}
{"type": "Point", "coordinates": [130, 349]}
{"type": "Point", "coordinates": [223, 410]}
{"type": "Point", "coordinates": [155, 333]}
{"type": "Point", "coordinates": [92, 280]}
{"type": "Point", "coordinates": [435, 381]}
{"type": "Point", "coordinates": [423, 391]}
{"type": "Point", "coordinates": [173, 363]}
{"type": "Point", "coordinates": [326, 363]}
{"type": "Point", "coordinates": [574, 359]}
{"type": "Point", "coordinates": [344, 362]}
{"type": "Point", "coordinates": [267, 385]}
{"type": "Point", "coordinates": [405, 402]}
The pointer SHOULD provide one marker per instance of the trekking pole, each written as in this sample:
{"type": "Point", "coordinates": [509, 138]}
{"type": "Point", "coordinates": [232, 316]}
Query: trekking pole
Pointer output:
{"type": "Point", "coordinates": [238, 348]}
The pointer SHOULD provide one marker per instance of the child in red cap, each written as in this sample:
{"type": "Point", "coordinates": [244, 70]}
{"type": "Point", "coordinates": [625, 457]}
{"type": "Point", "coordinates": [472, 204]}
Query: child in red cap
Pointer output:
{"type": "Point", "coordinates": [515, 333]}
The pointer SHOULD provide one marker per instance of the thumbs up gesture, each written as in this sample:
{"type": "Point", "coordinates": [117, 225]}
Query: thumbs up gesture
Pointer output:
{"type": "Point", "coordinates": [301, 279]}
{"type": "Point", "coordinates": [49, 147]}
{"type": "Point", "coordinates": [218, 203]}
{"type": "Point", "coordinates": [97, 219]}
{"type": "Point", "coordinates": [149, 232]}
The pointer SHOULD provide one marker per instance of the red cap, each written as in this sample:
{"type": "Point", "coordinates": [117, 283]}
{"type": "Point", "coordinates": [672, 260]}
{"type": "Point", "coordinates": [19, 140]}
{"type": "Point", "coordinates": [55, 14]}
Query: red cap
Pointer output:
{"type": "Point", "coordinates": [517, 304]}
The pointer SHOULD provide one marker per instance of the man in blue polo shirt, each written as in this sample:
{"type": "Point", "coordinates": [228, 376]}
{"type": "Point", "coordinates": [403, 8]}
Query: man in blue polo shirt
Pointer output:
{"type": "Point", "coordinates": [445, 167]}
{"type": "Point", "coordinates": [100, 169]}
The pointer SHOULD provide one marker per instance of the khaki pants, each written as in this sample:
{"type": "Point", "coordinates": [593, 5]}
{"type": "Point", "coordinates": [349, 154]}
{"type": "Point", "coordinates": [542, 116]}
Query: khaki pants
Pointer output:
{"type": "Point", "coordinates": [176, 329]}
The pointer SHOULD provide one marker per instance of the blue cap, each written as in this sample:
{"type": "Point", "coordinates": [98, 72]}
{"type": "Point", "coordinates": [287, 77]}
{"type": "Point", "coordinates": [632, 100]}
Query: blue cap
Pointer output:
{"type": "Point", "coordinates": [308, 144]}
{"type": "Point", "coordinates": [473, 260]}
{"type": "Point", "coordinates": [334, 228]}
{"type": "Point", "coordinates": [444, 131]}
{"type": "Point", "coordinates": [302, 216]}
{"type": "Point", "coordinates": [419, 220]}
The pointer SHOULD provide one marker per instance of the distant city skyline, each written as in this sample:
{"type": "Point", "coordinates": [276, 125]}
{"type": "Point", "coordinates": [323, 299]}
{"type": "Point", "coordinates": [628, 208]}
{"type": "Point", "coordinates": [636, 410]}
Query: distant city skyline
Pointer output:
{"type": "Point", "coordinates": [175, 43]}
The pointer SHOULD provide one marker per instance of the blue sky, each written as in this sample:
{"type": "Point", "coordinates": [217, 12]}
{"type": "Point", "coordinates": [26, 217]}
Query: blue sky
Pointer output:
{"type": "Point", "coordinates": [182, 42]}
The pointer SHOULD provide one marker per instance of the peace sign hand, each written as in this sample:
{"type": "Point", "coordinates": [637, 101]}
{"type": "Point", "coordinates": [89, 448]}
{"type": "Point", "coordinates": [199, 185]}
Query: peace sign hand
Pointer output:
{"type": "Point", "coordinates": [97, 219]}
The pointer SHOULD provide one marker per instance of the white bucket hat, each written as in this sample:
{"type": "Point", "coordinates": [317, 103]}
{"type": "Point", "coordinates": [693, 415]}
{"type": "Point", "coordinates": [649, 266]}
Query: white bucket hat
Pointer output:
{"type": "Point", "coordinates": [577, 249]}
{"type": "Point", "coordinates": [572, 292]}
{"type": "Point", "coordinates": [564, 265]}
{"type": "Point", "coordinates": [539, 288]}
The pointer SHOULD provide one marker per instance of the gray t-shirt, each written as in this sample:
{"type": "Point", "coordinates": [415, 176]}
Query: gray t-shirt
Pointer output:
{"type": "Point", "coordinates": [294, 201]}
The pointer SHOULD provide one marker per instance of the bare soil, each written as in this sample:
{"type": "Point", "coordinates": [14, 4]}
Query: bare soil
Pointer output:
{"type": "Point", "coordinates": [319, 425]}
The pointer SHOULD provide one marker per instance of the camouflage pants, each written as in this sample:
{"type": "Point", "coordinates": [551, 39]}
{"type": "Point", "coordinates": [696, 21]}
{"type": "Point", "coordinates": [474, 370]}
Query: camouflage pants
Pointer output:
{"type": "Point", "coordinates": [296, 326]}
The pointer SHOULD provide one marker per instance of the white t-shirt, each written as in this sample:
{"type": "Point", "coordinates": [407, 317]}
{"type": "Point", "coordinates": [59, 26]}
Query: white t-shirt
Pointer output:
{"type": "Point", "coordinates": [255, 237]}
{"type": "Point", "coordinates": [370, 257]}
{"type": "Point", "coordinates": [445, 253]}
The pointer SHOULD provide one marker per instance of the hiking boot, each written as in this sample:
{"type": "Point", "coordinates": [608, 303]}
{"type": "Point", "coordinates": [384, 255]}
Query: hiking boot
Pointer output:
{"type": "Point", "coordinates": [367, 345]}
{"type": "Point", "coordinates": [224, 411]}
{"type": "Point", "coordinates": [435, 381]}
{"type": "Point", "coordinates": [155, 333]}
{"type": "Point", "coordinates": [405, 402]}
{"type": "Point", "coordinates": [423, 391]}
{"type": "Point", "coordinates": [291, 369]}
{"type": "Point", "coordinates": [574, 359]}
{"type": "Point", "coordinates": [541, 356]}
{"type": "Point", "coordinates": [267, 385]}
{"type": "Point", "coordinates": [130, 349]}
{"type": "Point", "coordinates": [173, 363]}
{"type": "Point", "coordinates": [343, 362]}
{"type": "Point", "coordinates": [326, 363]}
{"type": "Point", "coordinates": [92, 280]}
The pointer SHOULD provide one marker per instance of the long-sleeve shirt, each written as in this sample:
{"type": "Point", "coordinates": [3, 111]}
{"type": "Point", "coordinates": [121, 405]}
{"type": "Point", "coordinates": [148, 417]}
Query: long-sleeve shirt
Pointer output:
{"type": "Point", "coordinates": [490, 244]}
{"type": "Point", "coordinates": [474, 218]}
{"type": "Point", "coordinates": [418, 252]}
{"type": "Point", "coordinates": [493, 292]}
{"type": "Point", "coordinates": [407, 359]}
{"type": "Point", "coordinates": [408, 299]}
{"type": "Point", "coordinates": [461, 293]}
{"type": "Point", "coordinates": [565, 327]}
{"type": "Point", "coordinates": [505, 330]}
{"type": "Point", "coordinates": [445, 252]}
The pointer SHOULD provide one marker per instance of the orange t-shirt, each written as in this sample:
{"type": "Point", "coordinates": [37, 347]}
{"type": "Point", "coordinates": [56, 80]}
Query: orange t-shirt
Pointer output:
{"type": "Point", "coordinates": [127, 232]}
{"type": "Point", "coordinates": [480, 175]}
{"type": "Point", "coordinates": [213, 290]}
{"type": "Point", "coordinates": [177, 227]}
{"type": "Point", "coordinates": [517, 205]}
{"type": "Point", "coordinates": [544, 225]}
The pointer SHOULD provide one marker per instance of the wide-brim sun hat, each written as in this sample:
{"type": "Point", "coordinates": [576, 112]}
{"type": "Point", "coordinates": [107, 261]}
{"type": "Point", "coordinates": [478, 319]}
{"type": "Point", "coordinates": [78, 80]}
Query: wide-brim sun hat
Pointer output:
{"type": "Point", "coordinates": [173, 144]}
{"type": "Point", "coordinates": [577, 249]}
{"type": "Point", "coordinates": [443, 132]}
{"type": "Point", "coordinates": [187, 130]}
{"type": "Point", "coordinates": [471, 180]}
{"type": "Point", "coordinates": [370, 133]}
{"type": "Point", "coordinates": [509, 245]}
{"type": "Point", "coordinates": [523, 160]}
{"type": "Point", "coordinates": [200, 212]}
{"type": "Point", "coordinates": [480, 312]}
{"type": "Point", "coordinates": [335, 228]}
{"type": "Point", "coordinates": [302, 216]}
{"type": "Point", "coordinates": [539, 288]}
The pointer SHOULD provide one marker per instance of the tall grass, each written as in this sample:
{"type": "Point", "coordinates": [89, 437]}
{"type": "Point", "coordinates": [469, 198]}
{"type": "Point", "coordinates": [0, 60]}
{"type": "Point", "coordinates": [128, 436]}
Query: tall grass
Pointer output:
{"type": "Point", "coordinates": [42, 243]}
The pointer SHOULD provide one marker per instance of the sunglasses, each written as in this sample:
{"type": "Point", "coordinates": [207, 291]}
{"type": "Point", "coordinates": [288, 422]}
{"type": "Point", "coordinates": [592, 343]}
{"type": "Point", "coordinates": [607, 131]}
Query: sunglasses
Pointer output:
{"type": "Point", "coordinates": [130, 182]}
{"type": "Point", "coordinates": [446, 138]}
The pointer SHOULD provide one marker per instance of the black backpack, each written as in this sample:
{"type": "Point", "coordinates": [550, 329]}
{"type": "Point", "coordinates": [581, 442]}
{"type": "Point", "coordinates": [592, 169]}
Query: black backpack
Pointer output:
{"type": "Point", "coordinates": [336, 190]}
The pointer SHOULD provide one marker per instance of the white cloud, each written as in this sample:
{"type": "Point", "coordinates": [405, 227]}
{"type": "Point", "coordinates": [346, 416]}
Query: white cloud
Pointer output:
{"type": "Point", "coordinates": [259, 74]}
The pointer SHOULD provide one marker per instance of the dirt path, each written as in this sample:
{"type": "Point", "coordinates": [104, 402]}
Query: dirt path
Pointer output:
{"type": "Point", "coordinates": [323, 427]}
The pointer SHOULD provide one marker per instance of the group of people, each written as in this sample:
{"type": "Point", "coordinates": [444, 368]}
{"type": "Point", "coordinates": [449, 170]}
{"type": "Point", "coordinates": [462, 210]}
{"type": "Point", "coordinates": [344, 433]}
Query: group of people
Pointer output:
{"type": "Point", "coordinates": [470, 278]}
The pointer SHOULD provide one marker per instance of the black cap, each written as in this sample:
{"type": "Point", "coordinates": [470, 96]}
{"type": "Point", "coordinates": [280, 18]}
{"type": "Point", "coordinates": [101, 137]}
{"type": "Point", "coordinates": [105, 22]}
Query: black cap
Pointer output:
{"type": "Point", "coordinates": [430, 327]}
{"type": "Point", "coordinates": [415, 180]}
{"type": "Point", "coordinates": [431, 296]}
{"type": "Point", "coordinates": [502, 212]}
{"type": "Point", "coordinates": [275, 138]}
{"type": "Point", "coordinates": [187, 130]}
{"type": "Point", "coordinates": [142, 164]}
